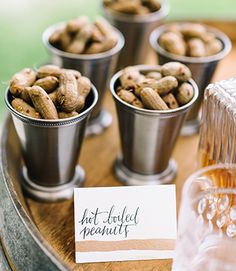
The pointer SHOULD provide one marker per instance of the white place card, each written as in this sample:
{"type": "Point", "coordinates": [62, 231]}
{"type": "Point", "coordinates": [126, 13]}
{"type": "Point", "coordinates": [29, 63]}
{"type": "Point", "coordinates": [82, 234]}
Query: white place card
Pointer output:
{"type": "Point", "coordinates": [124, 223]}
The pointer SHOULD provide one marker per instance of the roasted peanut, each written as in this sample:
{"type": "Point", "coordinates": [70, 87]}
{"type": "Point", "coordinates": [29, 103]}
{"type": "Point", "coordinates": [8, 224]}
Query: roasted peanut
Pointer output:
{"type": "Point", "coordinates": [154, 75]}
{"type": "Point", "coordinates": [53, 97]}
{"type": "Point", "coordinates": [108, 41]}
{"type": "Point", "coordinates": [162, 86]}
{"type": "Point", "coordinates": [173, 43]}
{"type": "Point", "coordinates": [133, 7]}
{"type": "Point", "coordinates": [84, 87]}
{"type": "Point", "coordinates": [65, 39]}
{"type": "Point", "coordinates": [48, 83]}
{"type": "Point", "coordinates": [196, 48]}
{"type": "Point", "coordinates": [64, 115]}
{"type": "Point", "coordinates": [56, 36]}
{"type": "Point", "coordinates": [25, 95]}
{"type": "Point", "coordinates": [76, 24]}
{"type": "Point", "coordinates": [130, 98]}
{"type": "Point", "coordinates": [141, 10]}
{"type": "Point", "coordinates": [76, 73]}
{"type": "Point", "coordinates": [152, 100]}
{"type": "Point", "coordinates": [24, 108]}
{"type": "Point", "coordinates": [99, 47]}
{"type": "Point", "coordinates": [152, 5]}
{"type": "Point", "coordinates": [208, 37]}
{"type": "Point", "coordinates": [103, 26]}
{"type": "Point", "coordinates": [148, 82]}
{"type": "Point", "coordinates": [67, 94]}
{"type": "Point", "coordinates": [97, 36]}
{"type": "Point", "coordinates": [192, 30]}
{"type": "Point", "coordinates": [176, 69]}
{"type": "Point", "coordinates": [130, 77]}
{"type": "Point", "coordinates": [42, 103]}
{"type": "Point", "coordinates": [166, 84]}
{"type": "Point", "coordinates": [128, 7]}
{"type": "Point", "coordinates": [184, 93]}
{"type": "Point", "coordinates": [79, 43]}
{"type": "Point", "coordinates": [20, 80]}
{"type": "Point", "coordinates": [213, 47]}
{"type": "Point", "coordinates": [48, 70]}
{"type": "Point", "coordinates": [170, 100]}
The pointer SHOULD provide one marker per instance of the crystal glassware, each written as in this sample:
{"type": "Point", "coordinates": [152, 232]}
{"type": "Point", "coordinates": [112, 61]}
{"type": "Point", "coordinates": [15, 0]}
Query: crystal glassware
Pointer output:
{"type": "Point", "coordinates": [218, 124]}
{"type": "Point", "coordinates": [207, 221]}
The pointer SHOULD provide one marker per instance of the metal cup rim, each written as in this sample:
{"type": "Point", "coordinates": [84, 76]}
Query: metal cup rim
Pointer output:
{"type": "Point", "coordinates": [146, 18]}
{"type": "Point", "coordinates": [163, 113]}
{"type": "Point", "coordinates": [48, 32]}
{"type": "Point", "coordinates": [50, 122]}
{"type": "Point", "coordinates": [154, 36]}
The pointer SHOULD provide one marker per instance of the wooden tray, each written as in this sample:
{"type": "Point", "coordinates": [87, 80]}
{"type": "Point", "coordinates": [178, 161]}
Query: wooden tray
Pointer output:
{"type": "Point", "coordinates": [40, 236]}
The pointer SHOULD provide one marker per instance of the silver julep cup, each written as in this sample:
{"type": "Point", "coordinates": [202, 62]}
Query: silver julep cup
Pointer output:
{"type": "Point", "coordinates": [136, 30]}
{"type": "Point", "coordinates": [50, 149]}
{"type": "Point", "coordinates": [97, 67]}
{"type": "Point", "coordinates": [147, 138]}
{"type": "Point", "coordinates": [202, 69]}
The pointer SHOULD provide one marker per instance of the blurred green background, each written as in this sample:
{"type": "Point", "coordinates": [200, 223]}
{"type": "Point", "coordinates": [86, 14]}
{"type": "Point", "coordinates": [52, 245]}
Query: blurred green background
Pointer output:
{"type": "Point", "coordinates": [23, 21]}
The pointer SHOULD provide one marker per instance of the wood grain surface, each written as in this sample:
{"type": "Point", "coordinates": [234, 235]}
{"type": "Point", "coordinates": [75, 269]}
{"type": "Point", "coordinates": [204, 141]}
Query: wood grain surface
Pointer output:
{"type": "Point", "coordinates": [55, 221]}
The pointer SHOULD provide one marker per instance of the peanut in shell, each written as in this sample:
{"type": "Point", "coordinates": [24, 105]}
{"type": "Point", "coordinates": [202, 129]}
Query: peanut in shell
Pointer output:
{"type": "Point", "coordinates": [154, 75]}
{"type": "Point", "coordinates": [166, 84]}
{"type": "Point", "coordinates": [42, 103]}
{"type": "Point", "coordinates": [64, 115]}
{"type": "Point", "coordinates": [67, 94]}
{"type": "Point", "coordinates": [53, 97]}
{"type": "Point", "coordinates": [178, 70]}
{"type": "Point", "coordinates": [184, 93]}
{"type": "Point", "coordinates": [24, 108]}
{"type": "Point", "coordinates": [152, 100]}
{"type": "Point", "coordinates": [48, 83]}
{"type": "Point", "coordinates": [130, 77]}
{"type": "Point", "coordinates": [173, 43]}
{"type": "Point", "coordinates": [20, 80]}
{"type": "Point", "coordinates": [77, 46]}
{"type": "Point", "coordinates": [48, 70]}
{"type": "Point", "coordinates": [213, 47]}
{"type": "Point", "coordinates": [130, 98]}
{"type": "Point", "coordinates": [76, 24]}
{"type": "Point", "coordinates": [171, 101]}
{"type": "Point", "coordinates": [84, 87]}
{"type": "Point", "coordinates": [196, 48]}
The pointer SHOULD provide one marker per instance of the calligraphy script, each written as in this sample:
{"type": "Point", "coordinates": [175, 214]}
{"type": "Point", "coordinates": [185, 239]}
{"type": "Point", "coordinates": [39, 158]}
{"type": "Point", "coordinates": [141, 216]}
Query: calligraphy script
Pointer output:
{"type": "Point", "coordinates": [108, 222]}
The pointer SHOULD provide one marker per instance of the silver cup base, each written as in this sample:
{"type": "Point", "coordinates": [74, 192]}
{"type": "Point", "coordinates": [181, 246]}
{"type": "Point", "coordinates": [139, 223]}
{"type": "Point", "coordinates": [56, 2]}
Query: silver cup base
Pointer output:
{"type": "Point", "coordinates": [132, 178]}
{"type": "Point", "coordinates": [97, 125]}
{"type": "Point", "coordinates": [190, 127]}
{"type": "Point", "coordinates": [54, 193]}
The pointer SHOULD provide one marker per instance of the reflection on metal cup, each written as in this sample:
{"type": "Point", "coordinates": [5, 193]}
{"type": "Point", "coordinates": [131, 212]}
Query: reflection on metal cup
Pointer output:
{"type": "Point", "coordinates": [202, 69]}
{"type": "Point", "coordinates": [136, 30]}
{"type": "Point", "coordinates": [97, 67]}
{"type": "Point", "coordinates": [147, 138]}
{"type": "Point", "coordinates": [50, 149]}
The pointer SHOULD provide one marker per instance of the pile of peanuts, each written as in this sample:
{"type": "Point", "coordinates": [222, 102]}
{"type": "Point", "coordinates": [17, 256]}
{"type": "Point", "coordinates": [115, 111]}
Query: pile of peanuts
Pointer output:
{"type": "Point", "coordinates": [163, 89]}
{"type": "Point", "coordinates": [80, 36]}
{"type": "Point", "coordinates": [190, 39]}
{"type": "Point", "coordinates": [135, 7]}
{"type": "Point", "coordinates": [49, 93]}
